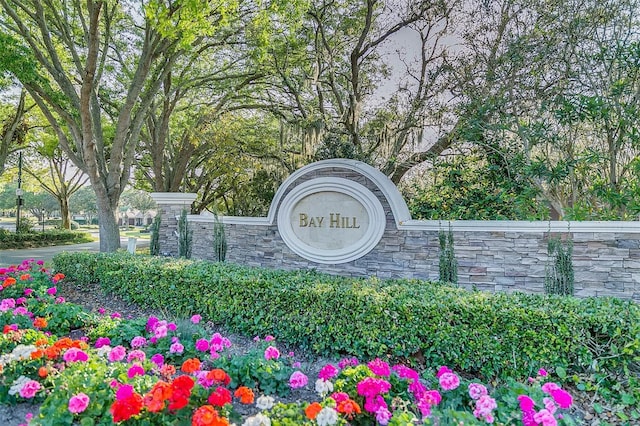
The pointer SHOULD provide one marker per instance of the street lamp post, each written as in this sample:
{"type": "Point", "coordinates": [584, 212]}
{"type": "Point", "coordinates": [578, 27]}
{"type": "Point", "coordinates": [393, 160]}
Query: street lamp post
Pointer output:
{"type": "Point", "coordinates": [19, 193]}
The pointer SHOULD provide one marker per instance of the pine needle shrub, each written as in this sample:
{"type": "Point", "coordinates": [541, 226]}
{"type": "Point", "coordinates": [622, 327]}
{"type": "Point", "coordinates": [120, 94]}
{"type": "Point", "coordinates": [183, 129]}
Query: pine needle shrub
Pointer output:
{"type": "Point", "coordinates": [184, 236]}
{"type": "Point", "coordinates": [559, 277]}
{"type": "Point", "coordinates": [448, 265]}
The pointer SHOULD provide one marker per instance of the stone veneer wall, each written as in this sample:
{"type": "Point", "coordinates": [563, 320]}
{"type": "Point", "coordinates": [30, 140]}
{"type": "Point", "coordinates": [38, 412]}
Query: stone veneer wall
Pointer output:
{"type": "Point", "coordinates": [492, 255]}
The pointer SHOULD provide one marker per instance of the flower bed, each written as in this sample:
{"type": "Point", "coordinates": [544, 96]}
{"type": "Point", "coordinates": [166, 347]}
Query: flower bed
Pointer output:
{"type": "Point", "coordinates": [156, 372]}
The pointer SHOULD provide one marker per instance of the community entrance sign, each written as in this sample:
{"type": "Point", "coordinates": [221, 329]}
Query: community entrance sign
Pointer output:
{"type": "Point", "coordinates": [331, 220]}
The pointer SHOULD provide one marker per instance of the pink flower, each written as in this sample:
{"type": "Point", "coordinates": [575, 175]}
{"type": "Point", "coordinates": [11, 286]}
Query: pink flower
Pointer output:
{"type": "Point", "coordinates": [269, 338]}
{"type": "Point", "coordinates": [484, 406]}
{"type": "Point", "coordinates": [172, 326]}
{"type": "Point", "coordinates": [136, 355]}
{"type": "Point", "coordinates": [78, 403]}
{"type": "Point", "coordinates": [116, 315]}
{"type": "Point", "coordinates": [379, 368]}
{"type": "Point", "coordinates": [348, 362]}
{"type": "Point", "coordinates": [196, 319]}
{"type": "Point", "coordinates": [52, 291]}
{"type": "Point", "coordinates": [21, 300]}
{"type": "Point", "coordinates": [545, 418]}
{"type": "Point", "coordinates": [542, 372]}
{"type": "Point", "coordinates": [271, 353]}
{"type": "Point", "coordinates": [550, 405]}
{"type": "Point", "coordinates": [28, 291]}
{"type": "Point", "coordinates": [135, 370]}
{"type": "Point", "coordinates": [449, 381]}
{"type": "Point", "coordinates": [102, 341]}
{"type": "Point", "coordinates": [218, 343]}
{"type": "Point", "coordinates": [102, 311]}
{"type": "Point", "coordinates": [202, 345]}
{"type": "Point", "coordinates": [476, 390]}
{"type": "Point", "coordinates": [75, 355]}
{"type": "Point", "coordinates": [60, 300]}
{"type": "Point", "coordinates": [138, 342]}
{"type": "Point", "coordinates": [383, 415]}
{"type": "Point", "coordinates": [432, 397]}
{"type": "Point", "coordinates": [443, 369]}
{"type": "Point", "coordinates": [117, 354]}
{"type": "Point", "coordinates": [298, 380]}
{"type": "Point", "coordinates": [526, 405]}
{"type": "Point", "coordinates": [550, 387]}
{"type": "Point", "coordinates": [328, 372]}
{"type": "Point", "coordinates": [29, 389]}
{"type": "Point", "coordinates": [176, 348]}
{"type": "Point", "coordinates": [339, 396]}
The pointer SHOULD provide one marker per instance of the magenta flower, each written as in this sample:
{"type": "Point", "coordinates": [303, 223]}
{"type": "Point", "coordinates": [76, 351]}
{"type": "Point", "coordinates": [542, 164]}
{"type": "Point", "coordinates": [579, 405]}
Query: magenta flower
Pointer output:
{"type": "Point", "coordinates": [339, 396]}
{"type": "Point", "coordinates": [379, 367]}
{"type": "Point", "coordinates": [28, 291]}
{"type": "Point", "coordinates": [196, 319]}
{"type": "Point", "coordinates": [328, 372]}
{"type": "Point", "coordinates": [116, 315]}
{"type": "Point", "coordinates": [52, 291]}
{"type": "Point", "coordinates": [449, 381]}
{"type": "Point", "coordinates": [542, 372]}
{"type": "Point", "coordinates": [298, 380]}
{"type": "Point", "coordinates": [383, 415]}
{"type": "Point", "coordinates": [443, 369]}
{"type": "Point", "coordinates": [269, 338]}
{"type": "Point", "coordinates": [102, 341]}
{"type": "Point", "coordinates": [550, 387]}
{"type": "Point", "coordinates": [219, 343]}
{"type": "Point", "coordinates": [158, 359]}
{"type": "Point", "coordinates": [545, 418]}
{"type": "Point", "coordinates": [202, 345]}
{"type": "Point", "coordinates": [29, 389]}
{"type": "Point", "coordinates": [75, 355]}
{"type": "Point", "coordinates": [374, 404]}
{"type": "Point", "coordinates": [346, 362]}
{"type": "Point", "coordinates": [78, 403]}
{"type": "Point", "coordinates": [135, 370]}
{"type": "Point", "coordinates": [562, 398]}
{"type": "Point", "coordinates": [405, 372]}
{"type": "Point", "coordinates": [172, 326]}
{"type": "Point", "coordinates": [271, 353]}
{"type": "Point", "coordinates": [372, 386]}
{"type": "Point", "coordinates": [432, 397]}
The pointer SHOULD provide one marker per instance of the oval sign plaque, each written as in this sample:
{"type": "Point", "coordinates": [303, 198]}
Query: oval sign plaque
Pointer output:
{"type": "Point", "coordinates": [331, 220]}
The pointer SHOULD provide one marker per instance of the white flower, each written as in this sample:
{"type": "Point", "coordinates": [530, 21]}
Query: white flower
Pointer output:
{"type": "Point", "coordinates": [327, 416]}
{"type": "Point", "coordinates": [323, 387]}
{"type": "Point", "coordinates": [257, 420]}
{"type": "Point", "coordinates": [23, 352]}
{"type": "Point", "coordinates": [103, 351]}
{"type": "Point", "coordinates": [18, 384]}
{"type": "Point", "coordinates": [264, 402]}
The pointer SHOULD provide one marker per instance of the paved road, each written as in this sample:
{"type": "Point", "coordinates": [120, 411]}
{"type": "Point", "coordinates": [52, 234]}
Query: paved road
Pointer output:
{"type": "Point", "coordinates": [15, 256]}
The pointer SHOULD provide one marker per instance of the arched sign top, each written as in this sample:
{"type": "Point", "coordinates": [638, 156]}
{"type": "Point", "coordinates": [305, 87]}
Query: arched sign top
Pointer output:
{"type": "Point", "coordinates": [394, 198]}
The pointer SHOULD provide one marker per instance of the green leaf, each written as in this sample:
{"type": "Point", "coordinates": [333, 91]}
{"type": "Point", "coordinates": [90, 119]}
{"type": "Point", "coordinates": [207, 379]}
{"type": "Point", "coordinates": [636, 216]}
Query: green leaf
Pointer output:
{"type": "Point", "coordinates": [561, 372]}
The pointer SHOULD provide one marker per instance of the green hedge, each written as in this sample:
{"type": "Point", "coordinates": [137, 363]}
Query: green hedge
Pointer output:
{"type": "Point", "coordinates": [494, 335]}
{"type": "Point", "coordinates": [39, 239]}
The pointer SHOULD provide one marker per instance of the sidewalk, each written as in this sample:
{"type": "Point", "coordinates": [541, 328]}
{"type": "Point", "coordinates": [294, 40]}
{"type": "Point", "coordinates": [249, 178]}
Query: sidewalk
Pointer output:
{"type": "Point", "coordinates": [15, 256]}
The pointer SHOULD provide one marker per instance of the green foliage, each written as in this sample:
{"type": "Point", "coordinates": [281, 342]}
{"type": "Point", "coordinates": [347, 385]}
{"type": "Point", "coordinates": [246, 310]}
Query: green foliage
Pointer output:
{"type": "Point", "coordinates": [559, 277]}
{"type": "Point", "coordinates": [493, 335]}
{"type": "Point", "coordinates": [154, 240]}
{"type": "Point", "coordinates": [40, 239]}
{"type": "Point", "coordinates": [219, 240]}
{"type": "Point", "coordinates": [26, 225]}
{"type": "Point", "coordinates": [447, 265]}
{"type": "Point", "coordinates": [184, 236]}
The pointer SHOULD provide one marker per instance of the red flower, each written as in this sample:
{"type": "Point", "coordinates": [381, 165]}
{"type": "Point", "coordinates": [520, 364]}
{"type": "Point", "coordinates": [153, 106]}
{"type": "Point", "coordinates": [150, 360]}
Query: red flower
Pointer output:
{"type": "Point", "coordinates": [123, 409]}
{"type": "Point", "coordinates": [181, 391]}
{"type": "Point", "coordinates": [220, 397]}
{"type": "Point", "coordinates": [155, 398]}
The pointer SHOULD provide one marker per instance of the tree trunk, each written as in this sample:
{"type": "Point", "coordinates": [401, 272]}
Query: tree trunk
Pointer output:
{"type": "Point", "coordinates": [65, 213]}
{"type": "Point", "coordinates": [109, 231]}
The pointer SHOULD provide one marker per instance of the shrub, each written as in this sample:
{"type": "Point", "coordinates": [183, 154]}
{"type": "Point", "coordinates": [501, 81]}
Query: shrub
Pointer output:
{"type": "Point", "coordinates": [154, 242]}
{"type": "Point", "coordinates": [559, 271]}
{"type": "Point", "coordinates": [39, 239]}
{"type": "Point", "coordinates": [493, 335]}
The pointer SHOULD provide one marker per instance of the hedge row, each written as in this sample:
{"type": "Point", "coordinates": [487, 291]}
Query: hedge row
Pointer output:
{"type": "Point", "coordinates": [494, 335]}
{"type": "Point", "coordinates": [36, 239]}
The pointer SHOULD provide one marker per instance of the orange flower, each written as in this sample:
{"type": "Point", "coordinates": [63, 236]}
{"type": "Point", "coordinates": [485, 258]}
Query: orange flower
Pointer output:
{"type": "Point", "coordinates": [349, 408]}
{"type": "Point", "coordinates": [41, 342]}
{"type": "Point", "coordinates": [52, 352]}
{"type": "Point", "coordinates": [245, 394]}
{"type": "Point", "coordinates": [57, 277]}
{"type": "Point", "coordinates": [8, 281]}
{"type": "Point", "coordinates": [219, 376]}
{"type": "Point", "coordinates": [208, 416]}
{"type": "Point", "coordinates": [155, 398]}
{"type": "Point", "coordinates": [43, 372]}
{"type": "Point", "coordinates": [191, 365]}
{"type": "Point", "coordinates": [312, 410]}
{"type": "Point", "coordinates": [24, 277]}
{"type": "Point", "coordinates": [37, 354]}
{"type": "Point", "coordinates": [167, 371]}
{"type": "Point", "coordinates": [39, 322]}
